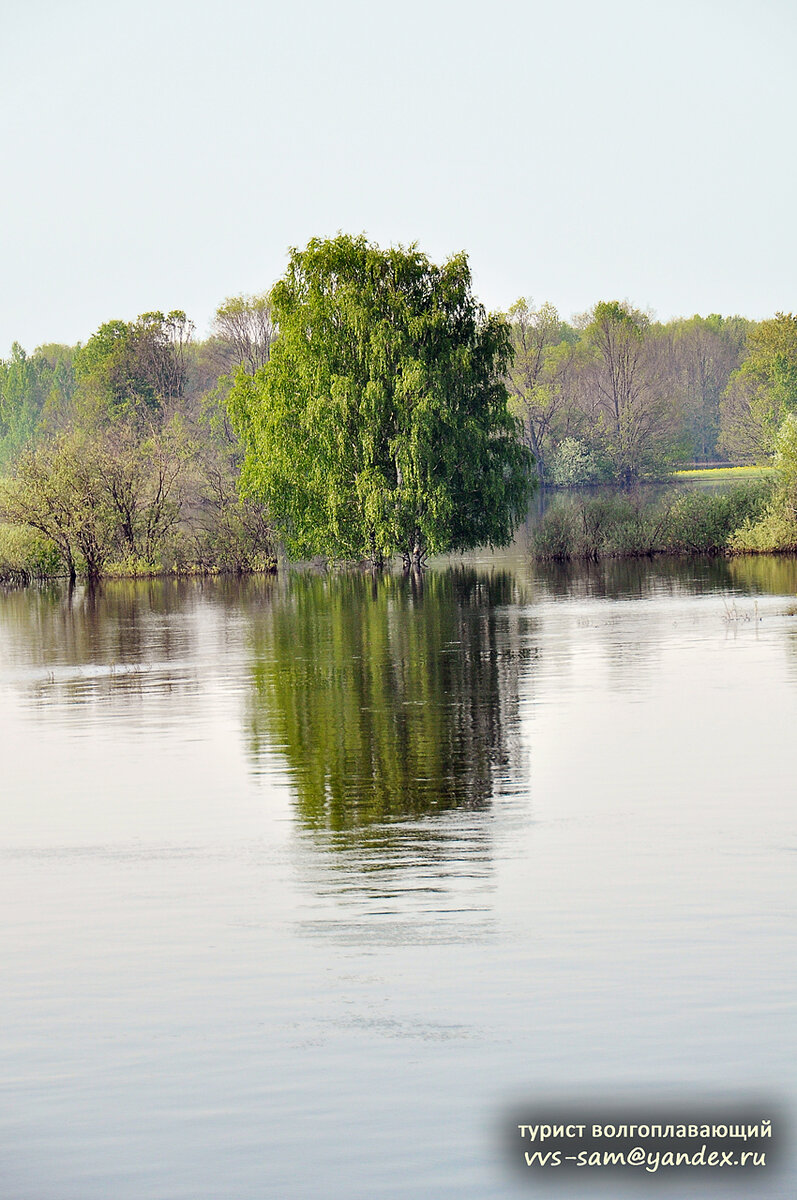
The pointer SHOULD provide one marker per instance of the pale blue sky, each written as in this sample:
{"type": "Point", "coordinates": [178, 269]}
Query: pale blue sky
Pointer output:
{"type": "Point", "coordinates": [165, 155]}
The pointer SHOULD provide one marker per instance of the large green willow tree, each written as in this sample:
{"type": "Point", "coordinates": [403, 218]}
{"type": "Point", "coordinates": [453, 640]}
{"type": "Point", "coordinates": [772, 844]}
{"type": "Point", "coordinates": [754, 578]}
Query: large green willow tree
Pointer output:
{"type": "Point", "coordinates": [380, 424]}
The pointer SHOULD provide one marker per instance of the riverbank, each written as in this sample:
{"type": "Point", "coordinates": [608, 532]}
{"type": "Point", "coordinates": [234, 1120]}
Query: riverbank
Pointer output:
{"type": "Point", "coordinates": [722, 475]}
{"type": "Point", "coordinates": [632, 525]}
{"type": "Point", "coordinates": [22, 564]}
{"type": "Point", "coordinates": [735, 519]}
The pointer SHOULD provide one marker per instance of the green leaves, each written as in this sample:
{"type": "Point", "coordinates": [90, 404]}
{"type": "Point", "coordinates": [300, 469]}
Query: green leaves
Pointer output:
{"type": "Point", "coordinates": [380, 424]}
{"type": "Point", "coordinates": [762, 392]}
{"type": "Point", "coordinates": [129, 367]}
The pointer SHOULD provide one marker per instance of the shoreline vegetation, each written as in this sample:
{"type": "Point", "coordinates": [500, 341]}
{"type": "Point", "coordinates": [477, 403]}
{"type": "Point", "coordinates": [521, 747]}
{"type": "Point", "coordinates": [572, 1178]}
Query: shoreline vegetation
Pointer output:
{"type": "Point", "coordinates": [578, 528]}
{"type": "Point", "coordinates": [368, 408]}
{"type": "Point", "coordinates": [722, 474]}
{"type": "Point", "coordinates": [679, 524]}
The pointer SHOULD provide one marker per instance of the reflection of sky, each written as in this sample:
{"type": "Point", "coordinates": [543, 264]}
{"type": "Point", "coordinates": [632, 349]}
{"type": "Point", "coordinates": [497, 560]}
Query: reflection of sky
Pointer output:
{"type": "Point", "coordinates": [190, 976]}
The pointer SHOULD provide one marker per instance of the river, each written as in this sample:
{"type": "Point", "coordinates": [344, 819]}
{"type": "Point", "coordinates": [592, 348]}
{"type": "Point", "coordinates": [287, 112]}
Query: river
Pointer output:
{"type": "Point", "coordinates": [312, 886]}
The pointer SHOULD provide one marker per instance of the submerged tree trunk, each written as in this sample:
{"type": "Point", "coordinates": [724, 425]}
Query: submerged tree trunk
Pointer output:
{"type": "Point", "coordinates": [414, 554]}
{"type": "Point", "coordinates": [376, 557]}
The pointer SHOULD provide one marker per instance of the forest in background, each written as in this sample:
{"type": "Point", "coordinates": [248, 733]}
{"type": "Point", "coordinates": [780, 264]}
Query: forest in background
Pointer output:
{"type": "Point", "coordinates": [616, 397]}
{"type": "Point", "coordinates": [118, 455]}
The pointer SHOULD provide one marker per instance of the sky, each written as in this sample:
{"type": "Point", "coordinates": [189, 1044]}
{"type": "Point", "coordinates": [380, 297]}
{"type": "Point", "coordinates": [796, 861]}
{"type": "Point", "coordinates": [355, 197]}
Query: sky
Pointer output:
{"type": "Point", "coordinates": [166, 155]}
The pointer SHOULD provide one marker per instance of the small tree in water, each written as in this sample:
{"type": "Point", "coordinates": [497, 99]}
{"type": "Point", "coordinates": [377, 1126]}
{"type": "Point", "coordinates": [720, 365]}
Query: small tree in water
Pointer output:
{"type": "Point", "coordinates": [379, 425]}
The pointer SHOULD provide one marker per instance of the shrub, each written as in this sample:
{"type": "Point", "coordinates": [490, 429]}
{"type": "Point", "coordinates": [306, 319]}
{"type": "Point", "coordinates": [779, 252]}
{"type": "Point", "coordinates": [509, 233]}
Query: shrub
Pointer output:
{"type": "Point", "coordinates": [26, 555]}
{"type": "Point", "coordinates": [775, 531]}
{"type": "Point", "coordinates": [625, 526]}
{"type": "Point", "coordinates": [705, 522]}
{"type": "Point", "coordinates": [556, 537]}
{"type": "Point", "coordinates": [575, 464]}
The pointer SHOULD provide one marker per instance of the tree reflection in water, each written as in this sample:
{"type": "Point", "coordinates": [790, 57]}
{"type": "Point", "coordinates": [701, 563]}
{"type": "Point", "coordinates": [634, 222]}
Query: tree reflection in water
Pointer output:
{"type": "Point", "coordinates": [391, 699]}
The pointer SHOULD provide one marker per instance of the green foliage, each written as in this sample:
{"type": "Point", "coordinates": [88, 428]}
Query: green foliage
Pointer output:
{"type": "Point", "coordinates": [776, 528]}
{"type": "Point", "coordinates": [773, 356]}
{"type": "Point", "coordinates": [751, 414]}
{"type": "Point", "coordinates": [132, 481]}
{"type": "Point", "coordinates": [231, 532]}
{"type": "Point", "coordinates": [627, 526]}
{"type": "Point", "coordinates": [601, 526]}
{"type": "Point", "coordinates": [762, 392]}
{"type": "Point", "coordinates": [638, 396]}
{"type": "Point", "coordinates": [144, 476]}
{"type": "Point", "coordinates": [26, 555]}
{"type": "Point", "coordinates": [58, 490]}
{"type": "Point", "coordinates": [533, 376]}
{"type": "Point", "coordinates": [32, 389]}
{"type": "Point", "coordinates": [116, 502]}
{"type": "Point", "coordinates": [705, 522]}
{"type": "Point", "coordinates": [136, 367]}
{"type": "Point", "coordinates": [774, 532]}
{"type": "Point", "coordinates": [705, 353]}
{"type": "Point", "coordinates": [95, 498]}
{"type": "Point", "coordinates": [355, 680]}
{"type": "Point", "coordinates": [786, 454]}
{"type": "Point", "coordinates": [380, 423]}
{"type": "Point", "coordinates": [575, 464]}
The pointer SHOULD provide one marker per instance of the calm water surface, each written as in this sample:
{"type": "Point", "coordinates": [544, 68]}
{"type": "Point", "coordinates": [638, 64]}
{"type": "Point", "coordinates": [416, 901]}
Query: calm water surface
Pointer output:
{"type": "Point", "coordinates": [307, 884]}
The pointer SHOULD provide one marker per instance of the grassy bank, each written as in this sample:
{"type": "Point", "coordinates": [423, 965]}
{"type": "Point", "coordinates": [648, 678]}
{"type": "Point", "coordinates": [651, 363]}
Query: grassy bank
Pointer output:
{"type": "Point", "coordinates": [631, 526]}
{"type": "Point", "coordinates": [28, 557]}
{"type": "Point", "coordinates": [723, 474]}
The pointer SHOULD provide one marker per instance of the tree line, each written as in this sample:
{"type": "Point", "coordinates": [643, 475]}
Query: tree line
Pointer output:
{"type": "Point", "coordinates": [617, 397]}
{"type": "Point", "coordinates": [366, 406]}
{"type": "Point", "coordinates": [120, 451]}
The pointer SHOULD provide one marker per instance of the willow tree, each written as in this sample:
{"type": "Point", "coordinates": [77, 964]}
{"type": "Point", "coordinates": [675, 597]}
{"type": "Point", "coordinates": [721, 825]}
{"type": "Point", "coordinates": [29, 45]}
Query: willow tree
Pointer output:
{"type": "Point", "coordinates": [379, 425]}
